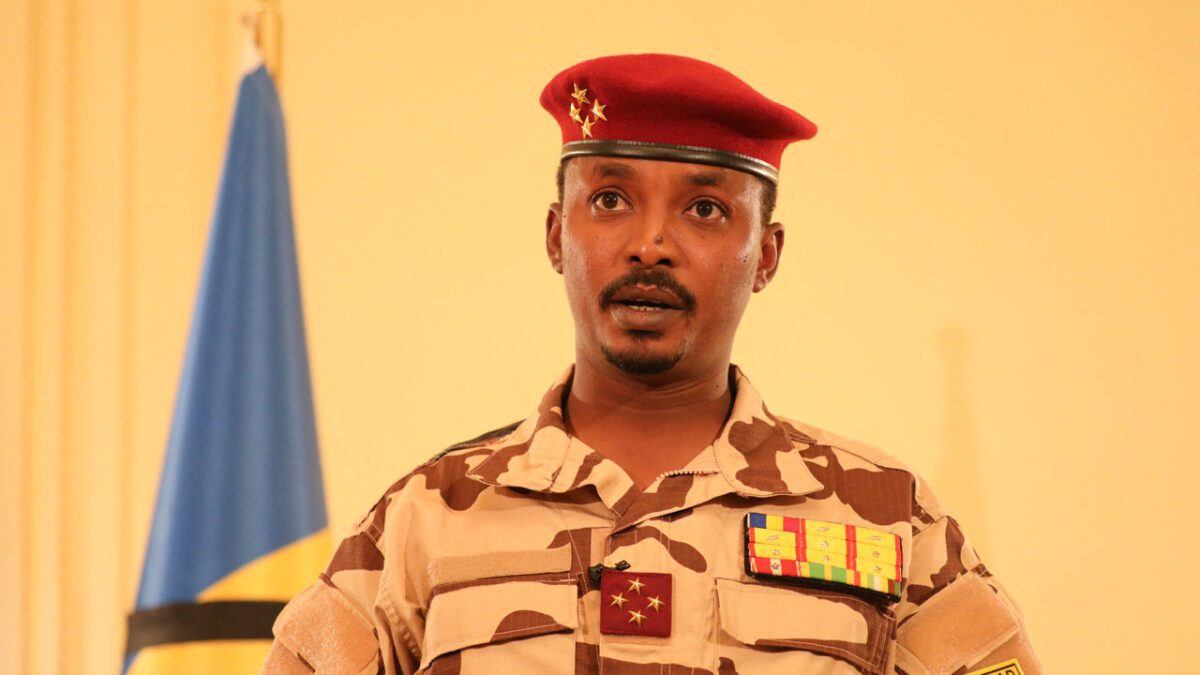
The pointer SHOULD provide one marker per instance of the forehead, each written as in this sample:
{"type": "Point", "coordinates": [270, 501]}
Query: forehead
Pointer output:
{"type": "Point", "coordinates": [593, 169]}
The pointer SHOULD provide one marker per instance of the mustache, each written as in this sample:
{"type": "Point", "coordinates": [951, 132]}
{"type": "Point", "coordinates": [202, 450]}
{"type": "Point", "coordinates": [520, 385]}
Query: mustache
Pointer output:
{"type": "Point", "coordinates": [641, 276]}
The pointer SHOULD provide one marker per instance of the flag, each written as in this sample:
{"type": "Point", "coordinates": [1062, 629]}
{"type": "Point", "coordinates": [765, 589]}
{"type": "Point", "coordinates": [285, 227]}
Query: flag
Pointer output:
{"type": "Point", "coordinates": [239, 523]}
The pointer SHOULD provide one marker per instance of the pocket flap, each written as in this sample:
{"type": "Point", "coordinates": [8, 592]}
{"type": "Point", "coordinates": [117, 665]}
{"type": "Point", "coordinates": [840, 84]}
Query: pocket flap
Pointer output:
{"type": "Point", "coordinates": [497, 609]}
{"type": "Point", "coordinates": [825, 622]}
{"type": "Point", "coordinates": [510, 563]}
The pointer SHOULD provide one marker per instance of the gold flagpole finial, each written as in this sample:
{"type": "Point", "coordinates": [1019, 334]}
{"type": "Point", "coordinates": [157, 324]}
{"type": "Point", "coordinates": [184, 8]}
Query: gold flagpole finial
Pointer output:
{"type": "Point", "coordinates": [266, 24]}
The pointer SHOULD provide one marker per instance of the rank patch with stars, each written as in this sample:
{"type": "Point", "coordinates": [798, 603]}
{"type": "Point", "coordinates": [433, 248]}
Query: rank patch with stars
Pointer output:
{"type": "Point", "coordinates": [833, 555]}
{"type": "Point", "coordinates": [586, 112]}
{"type": "Point", "coordinates": [635, 603]}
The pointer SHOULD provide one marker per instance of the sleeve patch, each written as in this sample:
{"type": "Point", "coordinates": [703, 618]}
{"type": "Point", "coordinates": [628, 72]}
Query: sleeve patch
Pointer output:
{"type": "Point", "coordinates": [1009, 667]}
{"type": "Point", "coordinates": [327, 632]}
{"type": "Point", "coordinates": [958, 626]}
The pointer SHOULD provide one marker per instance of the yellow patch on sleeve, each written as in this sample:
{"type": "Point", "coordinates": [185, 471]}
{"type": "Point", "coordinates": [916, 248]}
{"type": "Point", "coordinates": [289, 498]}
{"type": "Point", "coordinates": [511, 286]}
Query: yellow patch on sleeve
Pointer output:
{"type": "Point", "coordinates": [1010, 667]}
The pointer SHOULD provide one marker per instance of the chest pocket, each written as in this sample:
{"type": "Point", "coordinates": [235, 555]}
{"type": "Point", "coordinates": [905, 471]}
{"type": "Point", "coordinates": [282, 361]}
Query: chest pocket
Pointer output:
{"type": "Point", "coordinates": [769, 628]}
{"type": "Point", "coordinates": [505, 612]}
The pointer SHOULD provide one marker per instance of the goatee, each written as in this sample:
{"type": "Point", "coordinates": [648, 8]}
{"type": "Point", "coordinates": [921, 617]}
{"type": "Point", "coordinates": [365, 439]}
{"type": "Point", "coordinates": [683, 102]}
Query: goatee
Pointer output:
{"type": "Point", "coordinates": [641, 362]}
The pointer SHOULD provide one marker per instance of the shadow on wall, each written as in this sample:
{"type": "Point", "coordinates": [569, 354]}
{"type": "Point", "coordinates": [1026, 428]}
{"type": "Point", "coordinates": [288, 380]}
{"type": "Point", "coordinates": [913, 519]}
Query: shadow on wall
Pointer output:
{"type": "Point", "coordinates": [958, 482]}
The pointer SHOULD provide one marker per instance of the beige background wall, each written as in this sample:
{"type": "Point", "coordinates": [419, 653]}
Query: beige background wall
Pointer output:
{"type": "Point", "coordinates": [991, 269]}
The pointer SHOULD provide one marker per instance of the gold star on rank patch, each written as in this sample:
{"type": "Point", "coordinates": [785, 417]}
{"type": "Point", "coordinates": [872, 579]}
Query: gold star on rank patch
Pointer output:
{"type": "Point", "coordinates": [636, 586]}
{"type": "Point", "coordinates": [587, 127]}
{"type": "Point", "coordinates": [574, 113]}
{"type": "Point", "coordinates": [580, 95]}
{"type": "Point", "coordinates": [654, 603]}
{"type": "Point", "coordinates": [618, 600]}
{"type": "Point", "coordinates": [598, 110]}
{"type": "Point", "coordinates": [636, 617]}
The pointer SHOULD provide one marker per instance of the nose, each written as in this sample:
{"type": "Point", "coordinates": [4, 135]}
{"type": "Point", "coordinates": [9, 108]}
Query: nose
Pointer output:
{"type": "Point", "coordinates": [649, 245]}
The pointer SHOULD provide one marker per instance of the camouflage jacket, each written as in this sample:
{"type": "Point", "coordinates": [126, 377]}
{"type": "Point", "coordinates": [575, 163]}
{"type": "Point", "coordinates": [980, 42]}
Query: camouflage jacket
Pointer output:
{"type": "Point", "coordinates": [478, 561]}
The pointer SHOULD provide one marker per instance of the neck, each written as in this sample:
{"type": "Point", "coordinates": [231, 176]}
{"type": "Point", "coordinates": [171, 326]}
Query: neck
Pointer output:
{"type": "Point", "coordinates": [647, 426]}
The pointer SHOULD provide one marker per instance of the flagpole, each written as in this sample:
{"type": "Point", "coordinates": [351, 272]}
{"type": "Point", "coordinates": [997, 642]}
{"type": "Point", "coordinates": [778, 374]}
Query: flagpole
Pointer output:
{"type": "Point", "coordinates": [266, 25]}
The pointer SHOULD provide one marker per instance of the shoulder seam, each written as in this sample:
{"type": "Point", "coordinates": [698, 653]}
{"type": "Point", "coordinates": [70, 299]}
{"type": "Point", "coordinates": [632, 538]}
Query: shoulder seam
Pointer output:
{"type": "Point", "coordinates": [904, 468]}
{"type": "Point", "coordinates": [398, 485]}
{"type": "Point", "coordinates": [482, 439]}
{"type": "Point", "coordinates": [838, 442]}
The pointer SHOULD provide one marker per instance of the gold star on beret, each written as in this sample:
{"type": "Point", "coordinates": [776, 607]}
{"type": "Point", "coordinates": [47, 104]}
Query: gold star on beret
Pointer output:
{"type": "Point", "coordinates": [578, 112]}
{"type": "Point", "coordinates": [580, 95]}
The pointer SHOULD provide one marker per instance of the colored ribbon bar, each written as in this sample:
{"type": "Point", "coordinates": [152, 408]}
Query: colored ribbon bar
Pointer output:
{"type": "Point", "coordinates": [822, 551]}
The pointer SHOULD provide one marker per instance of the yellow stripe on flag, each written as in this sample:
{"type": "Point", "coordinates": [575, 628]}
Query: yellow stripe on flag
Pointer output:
{"type": "Point", "coordinates": [279, 575]}
{"type": "Point", "coordinates": [202, 658]}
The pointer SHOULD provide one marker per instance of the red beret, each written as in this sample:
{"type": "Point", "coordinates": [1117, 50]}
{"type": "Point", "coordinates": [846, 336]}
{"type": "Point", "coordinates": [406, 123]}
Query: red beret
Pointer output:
{"type": "Point", "coordinates": [660, 106]}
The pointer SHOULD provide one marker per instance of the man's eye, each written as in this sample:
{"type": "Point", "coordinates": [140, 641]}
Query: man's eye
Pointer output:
{"type": "Point", "coordinates": [707, 209]}
{"type": "Point", "coordinates": [610, 201]}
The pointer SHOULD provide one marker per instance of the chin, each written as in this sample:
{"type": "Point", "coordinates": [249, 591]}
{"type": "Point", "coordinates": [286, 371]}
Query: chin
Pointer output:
{"type": "Point", "coordinates": [642, 359]}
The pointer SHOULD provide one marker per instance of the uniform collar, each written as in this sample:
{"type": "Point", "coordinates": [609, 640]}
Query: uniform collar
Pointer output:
{"type": "Point", "coordinates": [755, 455]}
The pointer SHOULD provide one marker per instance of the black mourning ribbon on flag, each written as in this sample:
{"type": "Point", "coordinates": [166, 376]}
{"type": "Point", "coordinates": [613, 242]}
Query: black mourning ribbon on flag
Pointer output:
{"type": "Point", "coordinates": [199, 621]}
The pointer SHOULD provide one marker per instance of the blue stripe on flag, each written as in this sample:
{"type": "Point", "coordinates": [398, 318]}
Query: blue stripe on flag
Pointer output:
{"type": "Point", "coordinates": [242, 474]}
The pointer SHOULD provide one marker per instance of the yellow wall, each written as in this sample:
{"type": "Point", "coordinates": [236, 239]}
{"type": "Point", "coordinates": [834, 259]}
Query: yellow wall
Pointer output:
{"type": "Point", "coordinates": [990, 269]}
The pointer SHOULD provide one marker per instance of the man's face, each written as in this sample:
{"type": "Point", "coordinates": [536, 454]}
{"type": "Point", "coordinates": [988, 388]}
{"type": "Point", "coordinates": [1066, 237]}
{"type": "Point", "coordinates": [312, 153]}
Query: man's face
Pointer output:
{"type": "Point", "coordinates": [659, 259]}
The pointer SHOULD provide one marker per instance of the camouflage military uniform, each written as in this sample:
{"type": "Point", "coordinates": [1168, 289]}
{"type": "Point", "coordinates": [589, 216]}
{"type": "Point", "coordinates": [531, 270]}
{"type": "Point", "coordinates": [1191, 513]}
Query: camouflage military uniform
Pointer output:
{"type": "Point", "coordinates": [478, 562]}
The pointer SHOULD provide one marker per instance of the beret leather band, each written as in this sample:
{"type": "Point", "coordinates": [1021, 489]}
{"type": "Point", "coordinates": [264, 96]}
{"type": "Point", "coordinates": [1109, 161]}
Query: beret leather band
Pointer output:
{"type": "Point", "coordinates": [690, 154]}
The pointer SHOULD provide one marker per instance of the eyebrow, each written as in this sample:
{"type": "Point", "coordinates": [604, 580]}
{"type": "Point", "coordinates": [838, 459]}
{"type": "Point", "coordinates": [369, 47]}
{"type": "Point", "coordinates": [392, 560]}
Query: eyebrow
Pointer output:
{"type": "Point", "coordinates": [613, 170]}
{"type": "Point", "coordinates": [707, 178]}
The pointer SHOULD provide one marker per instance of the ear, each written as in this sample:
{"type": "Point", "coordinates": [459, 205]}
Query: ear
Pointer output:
{"type": "Point", "coordinates": [771, 248]}
{"type": "Point", "coordinates": [554, 236]}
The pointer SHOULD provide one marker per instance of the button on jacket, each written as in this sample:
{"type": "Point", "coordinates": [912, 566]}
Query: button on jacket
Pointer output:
{"type": "Point", "coordinates": [478, 562]}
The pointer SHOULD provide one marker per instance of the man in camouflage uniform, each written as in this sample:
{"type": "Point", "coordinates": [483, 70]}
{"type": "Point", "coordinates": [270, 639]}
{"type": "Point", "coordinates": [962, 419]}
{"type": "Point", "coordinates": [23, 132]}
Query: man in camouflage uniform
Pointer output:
{"type": "Point", "coordinates": [652, 516]}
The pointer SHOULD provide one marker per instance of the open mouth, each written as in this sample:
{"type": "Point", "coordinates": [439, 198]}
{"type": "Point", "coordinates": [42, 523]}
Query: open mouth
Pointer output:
{"type": "Point", "coordinates": [645, 305]}
{"type": "Point", "coordinates": [645, 309]}
{"type": "Point", "coordinates": [641, 298]}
